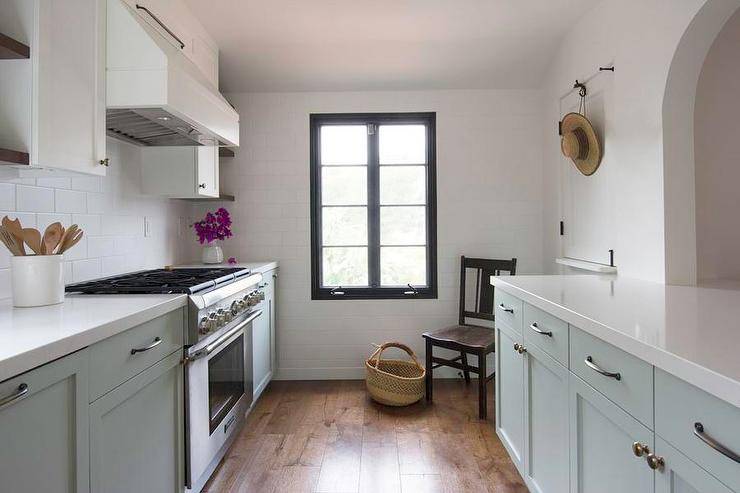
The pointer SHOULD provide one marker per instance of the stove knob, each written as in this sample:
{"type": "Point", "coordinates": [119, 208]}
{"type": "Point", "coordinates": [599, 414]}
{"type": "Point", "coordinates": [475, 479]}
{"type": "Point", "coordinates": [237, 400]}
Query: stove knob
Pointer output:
{"type": "Point", "coordinates": [220, 317]}
{"type": "Point", "coordinates": [204, 326]}
{"type": "Point", "coordinates": [261, 296]}
{"type": "Point", "coordinates": [235, 307]}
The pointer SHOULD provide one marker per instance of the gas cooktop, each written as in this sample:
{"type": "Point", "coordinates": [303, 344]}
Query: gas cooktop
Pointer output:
{"type": "Point", "coordinates": [161, 281]}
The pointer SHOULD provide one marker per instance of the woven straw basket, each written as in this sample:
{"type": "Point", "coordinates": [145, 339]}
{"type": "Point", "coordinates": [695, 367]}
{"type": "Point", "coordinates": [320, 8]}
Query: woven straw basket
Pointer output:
{"type": "Point", "coordinates": [394, 382]}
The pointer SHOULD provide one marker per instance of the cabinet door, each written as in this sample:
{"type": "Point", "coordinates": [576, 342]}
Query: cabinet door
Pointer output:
{"type": "Point", "coordinates": [681, 475]}
{"type": "Point", "coordinates": [510, 395]}
{"type": "Point", "coordinates": [546, 429]}
{"type": "Point", "coordinates": [136, 432]}
{"type": "Point", "coordinates": [261, 347]}
{"type": "Point", "coordinates": [43, 429]}
{"type": "Point", "coordinates": [601, 438]}
{"type": "Point", "coordinates": [271, 295]}
{"type": "Point", "coordinates": [69, 93]}
{"type": "Point", "coordinates": [206, 162]}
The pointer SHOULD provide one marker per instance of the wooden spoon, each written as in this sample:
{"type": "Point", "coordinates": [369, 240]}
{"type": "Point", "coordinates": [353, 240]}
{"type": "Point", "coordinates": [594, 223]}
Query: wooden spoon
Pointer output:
{"type": "Point", "coordinates": [52, 237]}
{"type": "Point", "coordinates": [14, 228]}
{"type": "Point", "coordinates": [66, 235]}
{"type": "Point", "coordinates": [32, 237]}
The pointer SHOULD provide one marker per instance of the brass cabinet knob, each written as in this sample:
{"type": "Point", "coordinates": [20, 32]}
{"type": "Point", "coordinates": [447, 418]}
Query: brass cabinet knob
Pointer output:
{"type": "Point", "coordinates": [521, 349]}
{"type": "Point", "coordinates": [640, 449]}
{"type": "Point", "coordinates": [104, 162]}
{"type": "Point", "coordinates": [655, 462]}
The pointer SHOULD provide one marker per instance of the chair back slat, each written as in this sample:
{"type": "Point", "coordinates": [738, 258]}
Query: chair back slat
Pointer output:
{"type": "Point", "coordinates": [483, 306]}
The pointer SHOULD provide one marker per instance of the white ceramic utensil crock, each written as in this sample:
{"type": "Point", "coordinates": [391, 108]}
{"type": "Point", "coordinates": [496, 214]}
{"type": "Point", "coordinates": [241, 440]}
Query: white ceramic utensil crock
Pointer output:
{"type": "Point", "coordinates": [37, 280]}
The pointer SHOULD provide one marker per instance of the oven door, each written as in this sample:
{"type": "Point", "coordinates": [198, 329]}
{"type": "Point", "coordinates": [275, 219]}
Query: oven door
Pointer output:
{"type": "Point", "coordinates": [219, 392]}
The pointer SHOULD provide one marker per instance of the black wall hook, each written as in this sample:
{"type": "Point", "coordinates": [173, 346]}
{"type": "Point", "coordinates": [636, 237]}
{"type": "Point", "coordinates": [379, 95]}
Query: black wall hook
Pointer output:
{"type": "Point", "coordinates": [601, 69]}
{"type": "Point", "coordinates": [581, 88]}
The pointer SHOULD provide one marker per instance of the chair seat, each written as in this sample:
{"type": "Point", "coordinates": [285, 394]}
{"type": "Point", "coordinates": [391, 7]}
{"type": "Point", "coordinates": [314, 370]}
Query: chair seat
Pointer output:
{"type": "Point", "coordinates": [468, 336]}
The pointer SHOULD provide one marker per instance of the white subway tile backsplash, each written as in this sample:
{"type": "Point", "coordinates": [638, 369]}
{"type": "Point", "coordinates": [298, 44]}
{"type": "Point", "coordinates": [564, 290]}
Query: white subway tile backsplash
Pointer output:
{"type": "Point", "coordinates": [86, 183]}
{"type": "Point", "coordinates": [89, 223]}
{"type": "Point", "coordinates": [70, 201]}
{"type": "Point", "coordinates": [7, 197]}
{"type": "Point", "coordinates": [34, 199]}
{"type": "Point", "coordinates": [43, 220]}
{"type": "Point", "coordinates": [100, 246]}
{"type": "Point", "coordinates": [83, 270]}
{"type": "Point", "coordinates": [55, 182]}
{"type": "Point", "coordinates": [113, 265]}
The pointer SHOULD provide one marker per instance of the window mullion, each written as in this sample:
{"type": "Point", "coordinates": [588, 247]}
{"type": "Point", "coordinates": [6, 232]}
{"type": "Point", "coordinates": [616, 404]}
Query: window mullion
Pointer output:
{"type": "Point", "coordinates": [373, 205]}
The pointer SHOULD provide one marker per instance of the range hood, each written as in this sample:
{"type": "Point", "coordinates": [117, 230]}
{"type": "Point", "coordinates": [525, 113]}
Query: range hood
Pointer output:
{"type": "Point", "coordinates": [155, 95]}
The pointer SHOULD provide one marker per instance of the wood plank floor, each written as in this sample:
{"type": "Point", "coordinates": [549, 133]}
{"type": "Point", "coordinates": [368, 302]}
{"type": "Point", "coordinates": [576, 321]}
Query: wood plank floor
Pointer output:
{"type": "Point", "coordinates": [329, 437]}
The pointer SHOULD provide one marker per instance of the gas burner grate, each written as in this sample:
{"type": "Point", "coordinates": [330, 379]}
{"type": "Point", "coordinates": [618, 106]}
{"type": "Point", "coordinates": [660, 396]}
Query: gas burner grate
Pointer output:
{"type": "Point", "coordinates": [161, 281]}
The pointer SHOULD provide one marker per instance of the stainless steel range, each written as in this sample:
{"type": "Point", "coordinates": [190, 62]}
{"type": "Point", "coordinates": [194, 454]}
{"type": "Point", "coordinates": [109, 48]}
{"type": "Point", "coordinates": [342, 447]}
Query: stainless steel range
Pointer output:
{"type": "Point", "coordinates": [218, 352]}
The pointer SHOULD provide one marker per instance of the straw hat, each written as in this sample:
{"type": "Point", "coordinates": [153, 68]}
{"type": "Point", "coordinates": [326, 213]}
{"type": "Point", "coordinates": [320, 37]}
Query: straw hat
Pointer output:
{"type": "Point", "coordinates": [580, 143]}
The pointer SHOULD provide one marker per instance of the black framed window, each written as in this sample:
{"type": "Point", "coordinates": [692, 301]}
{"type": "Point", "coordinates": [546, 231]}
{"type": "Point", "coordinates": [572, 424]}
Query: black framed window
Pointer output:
{"type": "Point", "coordinates": [373, 206]}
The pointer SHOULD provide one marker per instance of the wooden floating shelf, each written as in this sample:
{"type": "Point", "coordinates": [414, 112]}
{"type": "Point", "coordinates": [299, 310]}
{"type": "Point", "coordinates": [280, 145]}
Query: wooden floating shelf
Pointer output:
{"type": "Point", "coordinates": [225, 152]}
{"type": "Point", "coordinates": [11, 49]}
{"type": "Point", "coordinates": [224, 197]}
{"type": "Point", "coordinates": [9, 156]}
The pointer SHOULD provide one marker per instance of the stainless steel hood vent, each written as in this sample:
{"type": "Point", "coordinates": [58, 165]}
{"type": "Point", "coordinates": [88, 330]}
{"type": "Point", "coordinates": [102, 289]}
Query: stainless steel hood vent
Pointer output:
{"type": "Point", "coordinates": [154, 127]}
{"type": "Point", "coordinates": [155, 95]}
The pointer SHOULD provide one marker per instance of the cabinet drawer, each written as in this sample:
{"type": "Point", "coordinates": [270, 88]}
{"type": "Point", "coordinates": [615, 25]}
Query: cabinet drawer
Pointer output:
{"type": "Point", "coordinates": [508, 310]}
{"type": "Point", "coordinates": [630, 385]}
{"type": "Point", "coordinates": [547, 332]}
{"type": "Point", "coordinates": [112, 361]}
{"type": "Point", "coordinates": [679, 406]}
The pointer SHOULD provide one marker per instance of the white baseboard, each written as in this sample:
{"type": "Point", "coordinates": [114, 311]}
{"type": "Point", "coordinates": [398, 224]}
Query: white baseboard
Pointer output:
{"type": "Point", "coordinates": [261, 387]}
{"type": "Point", "coordinates": [342, 373]}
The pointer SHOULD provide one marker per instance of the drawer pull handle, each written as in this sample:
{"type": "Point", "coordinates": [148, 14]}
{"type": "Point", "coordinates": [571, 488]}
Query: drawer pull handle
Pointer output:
{"type": "Point", "coordinates": [699, 432]}
{"type": "Point", "coordinates": [655, 461]}
{"type": "Point", "coordinates": [506, 308]}
{"type": "Point", "coordinates": [535, 328]}
{"type": "Point", "coordinates": [20, 392]}
{"type": "Point", "coordinates": [157, 342]}
{"type": "Point", "coordinates": [590, 363]}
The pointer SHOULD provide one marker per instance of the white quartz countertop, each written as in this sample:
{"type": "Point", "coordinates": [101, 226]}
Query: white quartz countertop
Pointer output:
{"type": "Point", "coordinates": [30, 337]}
{"type": "Point", "coordinates": [261, 267]}
{"type": "Point", "coordinates": [690, 332]}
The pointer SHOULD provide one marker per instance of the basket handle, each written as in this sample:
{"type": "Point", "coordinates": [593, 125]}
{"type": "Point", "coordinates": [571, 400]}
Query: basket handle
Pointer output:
{"type": "Point", "coordinates": [378, 352]}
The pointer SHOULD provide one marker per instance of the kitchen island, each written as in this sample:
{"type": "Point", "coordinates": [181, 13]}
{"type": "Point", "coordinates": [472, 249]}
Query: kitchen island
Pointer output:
{"type": "Point", "coordinates": [614, 384]}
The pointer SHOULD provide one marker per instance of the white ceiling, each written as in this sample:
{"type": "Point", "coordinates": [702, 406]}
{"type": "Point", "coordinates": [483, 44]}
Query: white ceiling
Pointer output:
{"type": "Point", "coordinates": [344, 45]}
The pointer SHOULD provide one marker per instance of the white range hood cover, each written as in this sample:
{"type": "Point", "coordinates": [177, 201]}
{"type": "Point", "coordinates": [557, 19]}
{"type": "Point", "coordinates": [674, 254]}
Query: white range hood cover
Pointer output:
{"type": "Point", "coordinates": [155, 95]}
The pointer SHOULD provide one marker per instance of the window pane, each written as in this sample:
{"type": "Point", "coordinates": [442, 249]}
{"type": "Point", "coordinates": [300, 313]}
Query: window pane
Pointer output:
{"type": "Point", "coordinates": [403, 185]}
{"type": "Point", "coordinates": [402, 144]}
{"type": "Point", "coordinates": [400, 266]}
{"type": "Point", "coordinates": [345, 266]}
{"type": "Point", "coordinates": [344, 225]}
{"type": "Point", "coordinates": [343, 144]}
{"type": "Point", "coordinates": [403, 225]}
{"type": "Point", "coordinates": [344, 186]}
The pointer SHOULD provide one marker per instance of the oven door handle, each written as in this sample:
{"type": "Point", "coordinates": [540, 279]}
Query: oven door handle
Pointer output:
{"type": "Point", "coordinates": [207, 350]}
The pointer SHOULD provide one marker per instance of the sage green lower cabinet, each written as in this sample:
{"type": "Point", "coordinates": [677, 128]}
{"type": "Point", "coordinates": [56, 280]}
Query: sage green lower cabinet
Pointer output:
{"type": "Point", "coordinates": [681, 475]}
{"type": "Point", "coordinates": [136, 432]}
{"type": "Point", "coordinates": [601, 438]}
{"type": "Point", "coordinates": [43, 429]}
{"type": "Point", "coordinates": [546, 429]}
{"type": "Point", "coordinates": [510, 395]}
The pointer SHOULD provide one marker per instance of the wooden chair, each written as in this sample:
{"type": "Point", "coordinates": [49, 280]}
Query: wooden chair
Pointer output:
{"type": "Point", "coordinates": [469, 338]}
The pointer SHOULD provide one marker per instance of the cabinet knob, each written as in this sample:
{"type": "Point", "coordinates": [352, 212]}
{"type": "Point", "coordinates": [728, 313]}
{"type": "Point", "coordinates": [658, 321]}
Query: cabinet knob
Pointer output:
{"type": "Point", "coordinates": [640, 449]}
{"type": "Point", "coordinates": [104, 162]}
{"type": "Point", "coordinates": [521, 349]}
{"type": "Point", "coordinates": [655, 462]}
{"type": "Point", "coordinates": [516, 347]}
{"type": "Point", "coordinates": [202, 185]}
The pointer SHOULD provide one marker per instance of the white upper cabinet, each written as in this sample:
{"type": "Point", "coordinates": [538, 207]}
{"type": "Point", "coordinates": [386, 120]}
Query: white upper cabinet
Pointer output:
{"type": "Point", "coordinates": [180, 172]}
{"type": "Point", "coordinates": [185, 32]}
{"type": "Point", "coordinates": [53, 103]}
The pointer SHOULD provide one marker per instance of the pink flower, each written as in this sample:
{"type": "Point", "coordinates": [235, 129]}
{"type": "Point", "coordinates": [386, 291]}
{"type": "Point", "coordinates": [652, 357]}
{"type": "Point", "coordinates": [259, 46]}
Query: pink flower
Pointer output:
{"type": "Point", "coordinates": [215, 226]}
{"type": "Point", "coordinates": [232, 261]}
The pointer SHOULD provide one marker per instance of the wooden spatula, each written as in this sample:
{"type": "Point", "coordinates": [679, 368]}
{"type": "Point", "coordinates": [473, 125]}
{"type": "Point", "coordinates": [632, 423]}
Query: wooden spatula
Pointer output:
{"type": "Point", "coordinates": [52, 237]}
{"type": "Point", "coordinates": [14, 228]}
{"type": "Point", "coordinates": [32, 237]}
{"type": "Point", "coordinates": [71, 238]}
{"type": "Point", "coordinates": [10, 241]}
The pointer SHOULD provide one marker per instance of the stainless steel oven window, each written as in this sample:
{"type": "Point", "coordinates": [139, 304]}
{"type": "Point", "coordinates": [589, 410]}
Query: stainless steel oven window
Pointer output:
{"type": "Point", "coordinates": [225, 381]}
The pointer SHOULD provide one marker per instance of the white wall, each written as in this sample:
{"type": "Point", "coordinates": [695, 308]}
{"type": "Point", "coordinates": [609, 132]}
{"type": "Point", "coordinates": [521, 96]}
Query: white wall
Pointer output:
{"type": "Point", "coordinates": [111, 212]}
{"type": "Point", "coordinates": [717, 151]}
{"type": "Point", "coordinates": [640, 38]}
{"type": "Point", "coordinates": [489, 168]}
